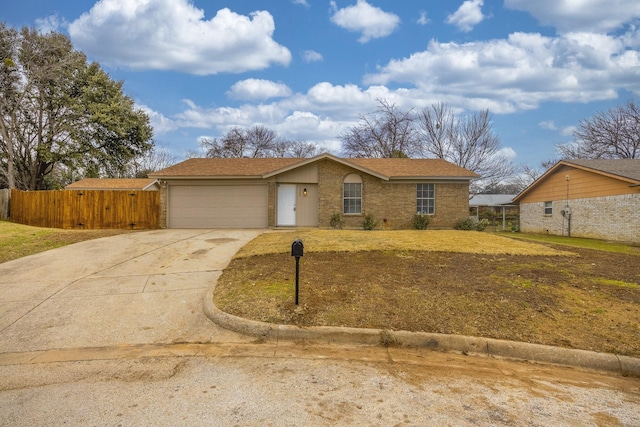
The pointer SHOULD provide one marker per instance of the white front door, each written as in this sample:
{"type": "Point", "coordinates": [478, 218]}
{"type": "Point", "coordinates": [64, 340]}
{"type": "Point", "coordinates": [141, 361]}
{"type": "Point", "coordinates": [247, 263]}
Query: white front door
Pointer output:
{"type": "Point", "coordinates": [286, 204]}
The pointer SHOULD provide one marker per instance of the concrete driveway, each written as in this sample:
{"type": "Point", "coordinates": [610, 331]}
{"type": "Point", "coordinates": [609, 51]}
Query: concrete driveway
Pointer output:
{"type": "Point", "coordinates": [136, 288]}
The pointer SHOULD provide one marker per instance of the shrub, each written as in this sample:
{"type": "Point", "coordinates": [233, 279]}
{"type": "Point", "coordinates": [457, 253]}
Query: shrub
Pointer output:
{"type": "Point", "coordinates": [469, 224]}
{"type": "Point", "coordinates": [420, 222]}
{"type": "Point", "coordinates": [336, 220]}
{"type": "Point", "coordinates": [369, 222]}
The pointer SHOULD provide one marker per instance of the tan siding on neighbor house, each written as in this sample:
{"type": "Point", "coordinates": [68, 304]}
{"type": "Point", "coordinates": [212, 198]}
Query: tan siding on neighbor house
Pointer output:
{"type": "Point", "coordinates": [581, 185]}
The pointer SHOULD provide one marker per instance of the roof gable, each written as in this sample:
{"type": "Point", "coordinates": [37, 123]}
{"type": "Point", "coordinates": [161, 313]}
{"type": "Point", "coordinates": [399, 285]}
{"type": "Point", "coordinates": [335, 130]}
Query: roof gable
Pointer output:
{"type": "Point", "coordinates": [387, 169]}
{"type": "Point", "coordinates": [625, 170]}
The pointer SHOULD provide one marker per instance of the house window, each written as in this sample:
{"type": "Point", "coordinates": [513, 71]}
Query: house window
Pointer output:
{"type": "Point", "coordinates": [425, 199]}
{"type": "Point", "coordinates": [352, 194]}
{"type": "Point", "coordinates": [548, 208]}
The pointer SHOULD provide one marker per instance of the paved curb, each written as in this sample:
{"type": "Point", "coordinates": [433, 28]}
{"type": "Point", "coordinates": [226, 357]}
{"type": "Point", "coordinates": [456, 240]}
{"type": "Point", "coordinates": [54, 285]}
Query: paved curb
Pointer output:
{"type": "Point", "coordinates": [623, 365]}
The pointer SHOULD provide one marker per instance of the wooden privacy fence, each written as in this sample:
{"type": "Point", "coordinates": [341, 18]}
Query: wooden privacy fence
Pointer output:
{"type": "Point", "coordinates": [86, 208]}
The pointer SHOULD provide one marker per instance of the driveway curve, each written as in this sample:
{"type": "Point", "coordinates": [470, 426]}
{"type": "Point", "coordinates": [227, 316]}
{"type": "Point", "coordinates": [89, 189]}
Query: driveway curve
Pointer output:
{"type": "Point", "coordinates": [135, 288]}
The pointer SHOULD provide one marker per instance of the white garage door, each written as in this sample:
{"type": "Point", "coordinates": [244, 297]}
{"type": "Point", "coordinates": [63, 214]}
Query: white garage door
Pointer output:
{"type": "Point", "coordinates": [218, 206]}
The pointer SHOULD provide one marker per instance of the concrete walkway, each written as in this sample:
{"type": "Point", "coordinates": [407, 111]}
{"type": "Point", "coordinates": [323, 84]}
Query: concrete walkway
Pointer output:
{"type": "Point", "coordinates": [137, 288]}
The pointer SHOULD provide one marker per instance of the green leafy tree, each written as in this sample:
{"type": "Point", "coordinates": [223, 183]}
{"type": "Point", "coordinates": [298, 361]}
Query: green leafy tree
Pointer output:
{"type": "Point", "coordinates": [57, 110]}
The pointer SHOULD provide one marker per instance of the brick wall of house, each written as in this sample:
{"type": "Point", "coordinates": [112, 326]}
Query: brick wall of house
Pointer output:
{"type": "Point", "coordinates": [610, 218]}
{"type": "Point", "coordinates": [395, 203]}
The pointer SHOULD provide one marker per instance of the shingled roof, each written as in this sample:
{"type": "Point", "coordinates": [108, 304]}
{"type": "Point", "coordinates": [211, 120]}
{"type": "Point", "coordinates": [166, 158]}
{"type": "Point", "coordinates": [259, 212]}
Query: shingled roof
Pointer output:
{"type": "Point", "coordinates": [264, 167]}
{"type": "Point", "coordinates": [624, 168]}
{"type": "Point", "coordinates": [227, 168]}
{"type": "Point", "coordinates": [111, 184]}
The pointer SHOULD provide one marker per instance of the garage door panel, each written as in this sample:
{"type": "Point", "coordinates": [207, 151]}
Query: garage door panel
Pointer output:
{"type": "Point", "coordinates": [242, 206]}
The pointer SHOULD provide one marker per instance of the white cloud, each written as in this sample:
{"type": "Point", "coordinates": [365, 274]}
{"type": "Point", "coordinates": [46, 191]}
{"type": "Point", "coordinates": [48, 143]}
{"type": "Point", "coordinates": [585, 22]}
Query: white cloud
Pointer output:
{"type": "Point", "coordinates": [50, 23]}
{"type": "Point", "coordinates": [423, 20]}
{"type": "Point", "coordinates": [468, 15]}
{"type": "Point", "coordinates": [507, 152]}
{"type": "Point", "coordinates": [311, 56]}
{"type": "Point", "coordinates": [371, 22]}
{"type": "Point", "coordinates": [257, 89]}
{"type": "Point", "coordinates": [568, 130]}
{"type": "Point", "coordinates": [173, 35]}
{"type": "Point", "coordinates": [160, 123]}
{"type": "Point", "coordinates": [520, 72]}
{"type": "Point", "coordinates": [550, 125]}
{"type": "Point", "coordinates": [300, 2]}
{"type": "Point", "coordinates": [580, 15]}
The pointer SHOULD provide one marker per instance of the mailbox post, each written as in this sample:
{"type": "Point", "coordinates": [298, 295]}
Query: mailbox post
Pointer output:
{"type": "Point", "coordinates": [297, 250]}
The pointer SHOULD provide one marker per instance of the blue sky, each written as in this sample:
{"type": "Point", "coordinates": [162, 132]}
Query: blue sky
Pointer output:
{"type": "Point", "coordinates": [308, 69]}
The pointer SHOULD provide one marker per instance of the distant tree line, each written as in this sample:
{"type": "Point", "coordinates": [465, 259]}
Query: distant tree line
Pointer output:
{"type": "Point", "coordinates": [256, 141]}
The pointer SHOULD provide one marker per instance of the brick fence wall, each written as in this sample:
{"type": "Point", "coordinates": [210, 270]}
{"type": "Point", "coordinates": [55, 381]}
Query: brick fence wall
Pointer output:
{"type": "Point", "coordinates": [609, 218]}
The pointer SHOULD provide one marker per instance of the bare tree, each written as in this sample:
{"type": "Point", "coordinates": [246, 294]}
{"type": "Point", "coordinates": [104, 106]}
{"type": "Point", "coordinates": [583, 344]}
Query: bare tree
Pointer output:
{"type": "Point", "coordinates": [154, 160]}
{"type": "Point", "coordinates": [388, 132]}
{"type": "Point", "coordinates": [614, 134]}
{"type": "Point", "coordinates": [466, 141]}
{"type": "Point", "coordinates": [257, 141]}
{"type": "Point", "coordinates": [296, 149]}
{"type": "Point", "coordinates": [525, 176]}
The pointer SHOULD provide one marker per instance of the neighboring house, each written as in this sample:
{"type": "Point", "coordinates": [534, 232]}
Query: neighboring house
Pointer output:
{"type": "Point", "coordinates": [289, 192]}
{"type": "Point", "coordinates": [585, 198]}
{"type": "Point", "coordinates": [497, 208]}
{"type": "Point", "coordinates": [142, 184]}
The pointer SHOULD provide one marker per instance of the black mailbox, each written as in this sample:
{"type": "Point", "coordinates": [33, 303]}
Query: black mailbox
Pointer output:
{"type": "Point", "coordinates": [297, 248]}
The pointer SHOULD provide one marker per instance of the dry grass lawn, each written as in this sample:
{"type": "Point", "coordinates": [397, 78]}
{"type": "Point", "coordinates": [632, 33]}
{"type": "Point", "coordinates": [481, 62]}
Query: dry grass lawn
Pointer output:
{"type": "Point", "coordinates": [427, 240]}
{"type": "Point", "coordinates": [17, 240]}
{"type": "Point", "coordinates": [454, 282]}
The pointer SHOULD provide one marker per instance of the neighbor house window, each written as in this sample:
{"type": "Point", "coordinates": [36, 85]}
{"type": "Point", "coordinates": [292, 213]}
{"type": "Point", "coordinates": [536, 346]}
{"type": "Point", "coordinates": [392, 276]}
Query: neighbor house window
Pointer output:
{"type": "Point", "coordinates": [352, 194]}
{"type": "Point", "coordinates": [548, 208]}
{"type": "Point", "coordinates": [426, 199]}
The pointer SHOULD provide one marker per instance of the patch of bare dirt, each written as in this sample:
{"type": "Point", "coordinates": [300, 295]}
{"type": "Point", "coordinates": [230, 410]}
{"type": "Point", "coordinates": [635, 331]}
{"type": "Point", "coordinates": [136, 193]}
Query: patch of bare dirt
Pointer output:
{"type": "Point", "coordinates": [590, 301]}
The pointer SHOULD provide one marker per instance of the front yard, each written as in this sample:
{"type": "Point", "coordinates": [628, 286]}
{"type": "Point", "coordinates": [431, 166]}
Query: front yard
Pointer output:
{"type": "Point", "coordinates": [453, 282]}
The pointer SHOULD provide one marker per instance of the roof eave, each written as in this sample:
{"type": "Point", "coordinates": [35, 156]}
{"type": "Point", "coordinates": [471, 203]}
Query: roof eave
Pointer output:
{"type": "Point", "coordinates": [208, 177]}
{"type": "Point", "coordinates": [431, 178]}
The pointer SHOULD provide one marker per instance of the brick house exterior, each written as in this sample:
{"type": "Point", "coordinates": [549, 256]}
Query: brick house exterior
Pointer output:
{"type": "Point", "coordinates": [316, 187]}
{"type": "Point", "coordinates": [585, 198]}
